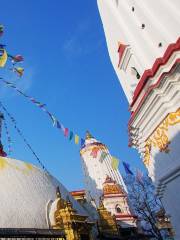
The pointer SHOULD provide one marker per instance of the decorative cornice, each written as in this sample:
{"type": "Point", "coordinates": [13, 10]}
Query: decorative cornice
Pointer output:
{"type": "Point", "coordinates": [125, 216]}
{"type": "Point", "coordinates": [105, 196]}
{"type": "Point", "coordinates": [151, 72]}
{"type": "Point", "coordinates": [150, 89]}
{"type": "Point", "coordinates": [78, 193]}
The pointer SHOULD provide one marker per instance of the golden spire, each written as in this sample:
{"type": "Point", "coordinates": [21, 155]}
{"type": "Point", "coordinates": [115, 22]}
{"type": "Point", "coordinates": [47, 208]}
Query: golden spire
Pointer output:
{"type": "Point", "coordinates": [88, 135]}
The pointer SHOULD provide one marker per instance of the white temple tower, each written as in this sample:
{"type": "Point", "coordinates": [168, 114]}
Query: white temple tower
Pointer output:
{"type": "Point", "coordinates": [115, 199]}
{"type": "Point", "coordinates": [96, 168]}
{"type": "Point", "coordinates": [143, 40]}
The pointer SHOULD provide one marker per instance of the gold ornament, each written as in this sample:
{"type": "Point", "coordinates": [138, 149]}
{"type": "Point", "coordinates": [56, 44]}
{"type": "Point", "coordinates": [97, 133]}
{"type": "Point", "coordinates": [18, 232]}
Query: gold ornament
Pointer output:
{"type": "Point", "coordinates": [159, 138]}
{"type": "Point", "coordinates": [107, 222]}
{"type": "Point", "coordinates": [68, 220]}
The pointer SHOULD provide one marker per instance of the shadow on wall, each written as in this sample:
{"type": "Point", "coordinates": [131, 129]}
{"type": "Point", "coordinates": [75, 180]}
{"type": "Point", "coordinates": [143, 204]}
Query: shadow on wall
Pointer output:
{"type": "Point", "coordinates": [91, 184]}
{"type": "Point", "coordinates": [167, 178]}
{"type": "Point", "coordinates": [165, 163]}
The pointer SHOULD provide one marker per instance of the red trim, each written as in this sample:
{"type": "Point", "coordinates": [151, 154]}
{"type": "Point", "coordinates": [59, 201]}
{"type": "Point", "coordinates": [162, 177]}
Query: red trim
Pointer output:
{"type": "Point", "coordinates": [78, 192]}
{"type": "Point", "coordinates": [151, 72]}
{"type": "Point", "coordinates": [151, 88]}
{"type": "Point", "coordinates": [93, 144]}
{"type": "Point", "coordinates": [125, 215]}
{"type": "Point", "coordinates": [121, 50]}
{"type": "Point", "coordinates": [117, 195]}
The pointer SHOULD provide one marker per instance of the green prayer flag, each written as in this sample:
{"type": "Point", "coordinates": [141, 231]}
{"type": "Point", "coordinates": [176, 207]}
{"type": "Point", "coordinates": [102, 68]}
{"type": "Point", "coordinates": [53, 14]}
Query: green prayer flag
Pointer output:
{"type": "Point", "coordinates": [70, 135]}
{"type": "Point", "coordinates": [103, 156]}
{"type": "Point", "coordinates": [114, 163]}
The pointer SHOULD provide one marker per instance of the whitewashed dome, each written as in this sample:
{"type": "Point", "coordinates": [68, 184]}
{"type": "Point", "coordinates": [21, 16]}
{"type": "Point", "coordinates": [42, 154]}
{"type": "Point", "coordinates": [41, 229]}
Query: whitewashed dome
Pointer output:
{"type": "Point", "coordinates": [25, 192]}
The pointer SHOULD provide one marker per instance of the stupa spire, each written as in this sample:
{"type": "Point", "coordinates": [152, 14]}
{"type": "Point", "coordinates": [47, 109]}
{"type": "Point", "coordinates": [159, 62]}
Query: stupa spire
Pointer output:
{"type": "Point", "coordinates": [88, 135]}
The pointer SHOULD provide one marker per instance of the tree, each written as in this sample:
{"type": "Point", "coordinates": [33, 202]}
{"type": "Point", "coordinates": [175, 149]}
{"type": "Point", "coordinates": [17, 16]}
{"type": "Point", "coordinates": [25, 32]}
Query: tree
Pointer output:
{"type": "Point", "coordinates": [145, 203]}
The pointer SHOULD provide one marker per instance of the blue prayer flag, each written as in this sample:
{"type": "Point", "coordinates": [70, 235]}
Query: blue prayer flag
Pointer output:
{"type": "Point", "coordinates": [127, 168]}
{"type": "Point", "coordinates": [82, 142]}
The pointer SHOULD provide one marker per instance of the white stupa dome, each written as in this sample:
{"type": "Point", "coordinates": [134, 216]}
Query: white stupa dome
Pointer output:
{"type": "Point", "coordinates": [25, 192]}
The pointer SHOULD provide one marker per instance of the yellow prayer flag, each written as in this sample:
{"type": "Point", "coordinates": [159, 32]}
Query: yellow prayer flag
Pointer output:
{"type": "Point", "coordinates": [76, 139]}
{"type": "Point", "coordinates": [3, 58]}
{"type": "Point", "coordinates": [114, 163]}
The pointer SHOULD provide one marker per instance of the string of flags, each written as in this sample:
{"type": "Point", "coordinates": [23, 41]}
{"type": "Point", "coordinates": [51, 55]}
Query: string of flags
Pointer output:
{"type": "Point", "coordinates": [69, 134]}
{"type": "Point", "coordinates": [21, 135]}
{"type": "Point", "coordinates": [14, 59]}
{"type": "Point", "coordinates": [56, 123]}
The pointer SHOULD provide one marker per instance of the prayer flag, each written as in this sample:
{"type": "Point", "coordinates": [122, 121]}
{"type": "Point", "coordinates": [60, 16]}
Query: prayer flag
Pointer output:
{"type": "Point", "coordinates": [3, 58]}
{"type": "Point", "coordinates": [58, 124]}
{"type": "Point", "coordinates": [62, 128]}
{"type": "Point", "coordinates": [127, 168]}
{"type": "Point", "coordinates": [139, 175]}
{"type": "Point", "coordinates": [52, 117]}
{"type": "Point", "coordinates": [2, 46]}
{"type": "Point", "coordinates": [41, 105]}
{"type": "Point", "coordinates": [66, 131]}
{"type": "Point", "coordinates": [114, 163]}
{"type": "Point", "coordinates": [94, 152]}
{"type": "Point", "coordinates": [82, 142]}
{"type": "Point", "coordinates": [19, 71]}
{"type": "Point", "coordinates": [76, 139]}
{"type": "Point", "coordinates": [1, 29]}
{"type": "Point", "coordinates": [54, 120]}
{"type": "Point", "coordinates": [71, 135]}
{"type": "Point", "coordinates": [103, 156]}
{"type": "Point", "coordinates": [17, 58]}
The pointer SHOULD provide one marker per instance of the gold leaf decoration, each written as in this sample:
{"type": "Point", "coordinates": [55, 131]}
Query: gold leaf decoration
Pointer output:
{"type": "Point", "coordinates": [159, 138]}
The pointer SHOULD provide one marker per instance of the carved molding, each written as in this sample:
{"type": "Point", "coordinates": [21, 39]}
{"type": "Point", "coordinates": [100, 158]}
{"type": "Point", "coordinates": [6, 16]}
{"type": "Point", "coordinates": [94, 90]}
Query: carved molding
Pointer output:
{"type": "Point", "coordinates": [159, 138]}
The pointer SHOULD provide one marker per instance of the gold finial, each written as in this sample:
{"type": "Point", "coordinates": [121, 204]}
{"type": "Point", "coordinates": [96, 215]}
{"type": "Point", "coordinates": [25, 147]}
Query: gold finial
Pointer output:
{"type": "Point", "coordinates": [88, 135]}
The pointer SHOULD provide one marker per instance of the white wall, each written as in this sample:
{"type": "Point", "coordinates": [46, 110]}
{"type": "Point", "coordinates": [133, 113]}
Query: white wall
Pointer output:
{"type": "Point", "coordinates": [121, 24]}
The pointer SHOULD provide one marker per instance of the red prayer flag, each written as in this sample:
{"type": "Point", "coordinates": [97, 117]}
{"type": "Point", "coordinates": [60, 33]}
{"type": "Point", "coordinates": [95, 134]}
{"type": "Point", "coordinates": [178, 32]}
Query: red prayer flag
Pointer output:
{"type": "Point", "coordinates": [66, 131]}
{"type": "Point", "coordinates": [94, 152]}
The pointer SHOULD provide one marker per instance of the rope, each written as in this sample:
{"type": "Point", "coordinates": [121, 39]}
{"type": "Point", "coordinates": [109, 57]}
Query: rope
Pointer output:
{"type": "Point", "coordinates": [8, 137]}
{"type": "Point", "coordinates": [22, 136]}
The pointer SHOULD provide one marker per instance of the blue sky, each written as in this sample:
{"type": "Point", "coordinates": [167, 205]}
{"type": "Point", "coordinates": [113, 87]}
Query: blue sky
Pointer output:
{"type": "Point", "coordinates": [67, 67]}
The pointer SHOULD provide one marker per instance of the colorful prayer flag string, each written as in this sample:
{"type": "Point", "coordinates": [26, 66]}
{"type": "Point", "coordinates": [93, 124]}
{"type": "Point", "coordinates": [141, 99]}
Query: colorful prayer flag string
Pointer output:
{"type": "Point", "coordinates": [22, 136]}
{"type": "Point", "coordinates": [42, 106]}
{"type": "Point", "coordinates": [66, 132]}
